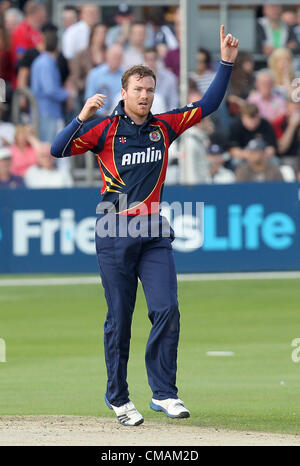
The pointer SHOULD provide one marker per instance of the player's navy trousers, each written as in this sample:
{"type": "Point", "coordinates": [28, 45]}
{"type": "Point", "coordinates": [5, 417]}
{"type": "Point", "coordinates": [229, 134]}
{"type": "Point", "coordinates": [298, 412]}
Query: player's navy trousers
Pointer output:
{"type": "Point", "coordinates": [122, 260]}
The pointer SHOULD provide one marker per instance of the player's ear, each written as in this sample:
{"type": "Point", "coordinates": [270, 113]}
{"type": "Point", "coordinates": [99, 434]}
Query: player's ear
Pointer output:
{"type": "Point", "coordinates": [123, 94]}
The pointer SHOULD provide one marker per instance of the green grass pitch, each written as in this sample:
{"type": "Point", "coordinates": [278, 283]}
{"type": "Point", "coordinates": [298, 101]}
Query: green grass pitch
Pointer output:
{"type": "Point", "coordinates": [55, 357]}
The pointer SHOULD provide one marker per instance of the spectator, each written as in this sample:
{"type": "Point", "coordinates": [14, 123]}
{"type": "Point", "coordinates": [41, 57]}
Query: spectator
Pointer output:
{"type": "Point", "coordinates": [242, 80]}
{"type": "Point", "coordinates": [280, 63]}
{"type": "Point", "coordinates": [70, 16]}
{"type": "Point", "coordinates": [297, 25]}
{"type": "Point", "coordinates": [166, 82]}
{"type": "Point", "coordinates": [44, 174]}
{"type": "Point", "coordinates": [7, 129]}
{"type": "Point", "coordinates": [7, 179]}
{"type": "Point", "coordinates": [105, 79]}
{"type": "Point", "coordinates": [193, 148]}
{"type": "Point", "coordinates": [289, 17]}
{"type": "Point", "coordinates": [166, 39]}
{"type": "Point", "coordinates": [246, 127]}
{"type": "Point", "coordinates": [172, 58]}
{"type": "Point", "coordinates": [120, 33]}
{"type": "Point", "coordinates": [12, 17]}
{"type": "Point", "coordinates": [218, 174]}
{"type": "Point", "coordinates": [271, 106]}
{"type": "Point", "coordinates": [23, 77]}
{"type": "Point", "coordinates": [89, 58]}
{"type": "Point", "coordinates": [47, 88]}
{"type": "Point", "coordinates": [258, 166]}
{"type": "Point", "coordinates": [203, 75]}
{"type": "Point", "coordinates": [288, 132]}
{"type": "Point", "coordinates": [273, 33]}
{"type": "Point", "coordinates": [22, 151]}
{"type": "Point", "coordinates": [27, 34]}
{"type": "Point", "coordinates": [76, 37]}
{"type": "Point", "coordinates": [6, 68]}
{"type": "Point", "coordinates": [134, 52]}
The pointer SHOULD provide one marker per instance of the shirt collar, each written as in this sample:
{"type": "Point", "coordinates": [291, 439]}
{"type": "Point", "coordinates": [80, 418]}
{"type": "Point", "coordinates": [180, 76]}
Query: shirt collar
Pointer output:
{"type": "Point", "coordinates": [119, 110]}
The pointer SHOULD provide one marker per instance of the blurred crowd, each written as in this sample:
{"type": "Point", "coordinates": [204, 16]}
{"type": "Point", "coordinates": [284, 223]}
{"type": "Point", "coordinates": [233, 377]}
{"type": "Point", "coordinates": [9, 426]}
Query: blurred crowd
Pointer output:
{"type": "Point", "coordinates": [254, 136]}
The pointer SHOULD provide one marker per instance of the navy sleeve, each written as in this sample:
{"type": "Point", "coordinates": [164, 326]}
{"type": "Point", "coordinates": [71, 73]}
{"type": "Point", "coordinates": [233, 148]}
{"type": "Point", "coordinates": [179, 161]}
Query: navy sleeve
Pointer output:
{"type": "Point", "coordinates": [216, 91]}
{"type": "Point", "coordinates": [180, 119]}
{"type": "Point", "coordinates": [78, 137]}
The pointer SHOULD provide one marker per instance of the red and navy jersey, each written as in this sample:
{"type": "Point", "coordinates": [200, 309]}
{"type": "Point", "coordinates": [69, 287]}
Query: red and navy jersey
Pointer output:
{"type": "Point", "coordinates": [133, 158]}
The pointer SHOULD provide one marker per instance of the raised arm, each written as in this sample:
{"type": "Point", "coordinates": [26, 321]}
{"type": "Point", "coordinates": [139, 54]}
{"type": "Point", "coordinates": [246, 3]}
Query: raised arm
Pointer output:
{"type": "Point", "coordinates": [79, 136]}
{"type": "Point", "coordinates": [183, 118]}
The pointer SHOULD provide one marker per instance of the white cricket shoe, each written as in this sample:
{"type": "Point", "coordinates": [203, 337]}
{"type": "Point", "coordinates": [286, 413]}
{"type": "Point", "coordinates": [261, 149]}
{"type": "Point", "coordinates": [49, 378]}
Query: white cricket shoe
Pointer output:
{"type": "Point", "coordinates": [127, 414]}
{"type": "Point", "coordinates": [171, 407]}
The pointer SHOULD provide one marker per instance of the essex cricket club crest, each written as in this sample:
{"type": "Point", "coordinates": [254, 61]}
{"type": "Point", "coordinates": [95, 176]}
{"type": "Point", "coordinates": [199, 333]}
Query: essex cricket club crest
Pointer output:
{"type": "Point", "coordinates": [155, 136]}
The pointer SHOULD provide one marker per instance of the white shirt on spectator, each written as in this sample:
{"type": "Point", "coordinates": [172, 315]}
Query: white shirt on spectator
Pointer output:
{"type": "Point", "coordinates": [38, 177]}
{"type": "Point", "coordinates": [75, 39]}
{"type": "Point", "coordinates": [132, 56]}
{"type": "Point", "coordinates": [7, 133]}
{"type": "Point", "coordinates": [223, 176]}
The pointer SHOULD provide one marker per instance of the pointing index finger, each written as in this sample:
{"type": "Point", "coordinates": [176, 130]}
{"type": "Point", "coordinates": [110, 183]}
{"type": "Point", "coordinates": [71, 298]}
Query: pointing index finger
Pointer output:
{"type": "Point", "coordinates": [222, 32]}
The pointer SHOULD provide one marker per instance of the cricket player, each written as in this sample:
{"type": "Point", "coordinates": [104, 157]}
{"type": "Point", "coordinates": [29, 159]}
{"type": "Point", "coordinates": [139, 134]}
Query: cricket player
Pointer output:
{"type": "Point", "coordinates": [131, 146]}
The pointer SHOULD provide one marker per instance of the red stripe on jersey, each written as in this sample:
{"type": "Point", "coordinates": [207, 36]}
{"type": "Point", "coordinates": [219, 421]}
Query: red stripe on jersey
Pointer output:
{"type": "Point", "coordinates": [108, 154]}
{"type": "Point", "coordinates": [145, 207]}
{"type": "Point", "coordinates": [179, 122]}
{"type": "Point", "coordinates": [89, 139]}
{"type": "Point", "coordinates": [102, 176]}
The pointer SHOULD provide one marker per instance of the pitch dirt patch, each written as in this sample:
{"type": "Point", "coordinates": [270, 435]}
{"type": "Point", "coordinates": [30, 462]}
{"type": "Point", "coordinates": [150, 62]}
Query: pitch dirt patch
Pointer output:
{"type": "Point", "coordinates": [77, 430]}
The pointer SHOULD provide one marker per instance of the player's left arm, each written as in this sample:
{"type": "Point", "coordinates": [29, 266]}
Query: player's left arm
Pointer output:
{"type": "Point", "coordinates": [183, 118]}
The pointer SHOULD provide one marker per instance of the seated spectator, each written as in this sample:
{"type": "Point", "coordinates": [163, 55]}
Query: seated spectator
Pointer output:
{"type": "Point", "coordinates": [7, 129]}
{"type": "Point", "coordinates": [44, 174]}
{"type": "Point", "coordinates": [249, 125]}
{"type": "Point", "coordinates": [203, 75]}
{"type": "Point", "coordinates": [280, 63]}
{"type": "Point", "coordinates": [88, 59]}
{"type": "Point", "coordinates": [217, 172]}
{"type": "Point", "coordinates": [27, 34]}
{"type": "Point", "coordinates": [288, 133]}
{"type": "Point", "coordinates": [76, 37]}
{"type": "Point", "coordinates": [273, 33]}
{"type": "Point", "coordinates": [166, 81]}
{"type": "Point", "coordinates": [258, 166]}
{"type": "Point", "coordinates": [134, 51]}
{"type": "Point", "coordinates": [7, 179]}
{"type": "Point", "coordinates": [12, 17]}
{"type": "Point", "coordinates": [105, 79]}
{"type": "Point", "coordinates": [270, 105]}
{"type": "Point", "coordinates": [172, 58]}
{"type": "Point", "coordinates": [22, 151]}
{"type": "Point", "coordinates": [47, 88]}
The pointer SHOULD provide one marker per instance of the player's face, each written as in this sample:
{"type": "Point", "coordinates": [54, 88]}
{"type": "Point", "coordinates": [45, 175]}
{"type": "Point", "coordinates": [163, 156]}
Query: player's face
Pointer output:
{"type": "Point", "coordinates": [139, 95]}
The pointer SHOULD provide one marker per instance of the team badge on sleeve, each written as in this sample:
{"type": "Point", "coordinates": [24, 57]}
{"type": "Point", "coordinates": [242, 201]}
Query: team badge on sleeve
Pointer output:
{"type": "Point", "coordinates": [155, 136]}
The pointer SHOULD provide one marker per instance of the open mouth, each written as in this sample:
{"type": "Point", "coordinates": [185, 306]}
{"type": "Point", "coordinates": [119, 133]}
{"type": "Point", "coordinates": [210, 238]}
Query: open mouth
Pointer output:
{"type": "Point", "coordinates": [143, 105]}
